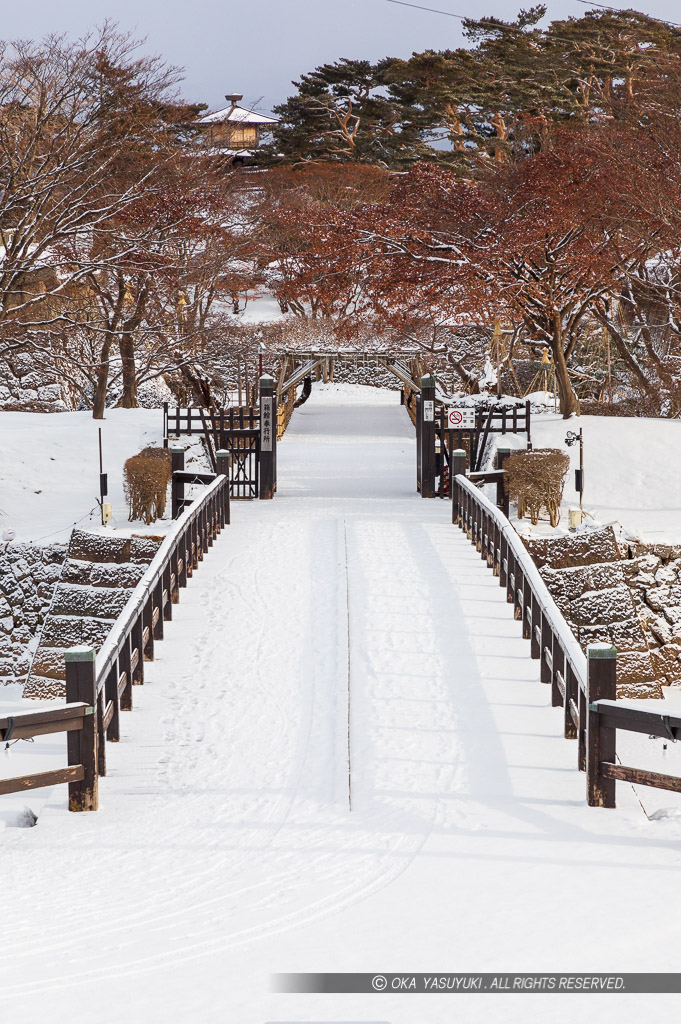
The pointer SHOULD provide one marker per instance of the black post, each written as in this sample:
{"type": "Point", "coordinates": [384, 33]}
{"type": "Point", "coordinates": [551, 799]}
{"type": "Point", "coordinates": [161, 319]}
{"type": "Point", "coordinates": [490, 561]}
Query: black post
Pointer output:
{"type": "Point", "coordinates": [427, 436]}
{"type": "Point", "coordinates": [458, 469]}
{"type": "Point", "coordinates": [268, 437]}
{"type": "Point", "coordinates": [417, 426]}
{"type": "Point", "coordinates": [81, 685]}
{"type": "Point", "coordinates": [600, 742]}
{"type": "Point", "coordinates": [502, 491]}
{"type": "Point", "coordinates": [223, 459]}
{"type": "Point", "coordinates": [177, 486]}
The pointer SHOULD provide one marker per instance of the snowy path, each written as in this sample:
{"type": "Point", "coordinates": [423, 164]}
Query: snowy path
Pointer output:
{"type": "Point", "coordinates": [225, 849]}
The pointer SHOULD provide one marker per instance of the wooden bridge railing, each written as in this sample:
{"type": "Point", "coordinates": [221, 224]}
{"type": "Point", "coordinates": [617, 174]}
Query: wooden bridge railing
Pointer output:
{"type": "Point", "coordinates": [285, 409]}
{"type": "Point", "coordinates": [583, 685]}
{"type": "Point", "coordinates": [100, 686]}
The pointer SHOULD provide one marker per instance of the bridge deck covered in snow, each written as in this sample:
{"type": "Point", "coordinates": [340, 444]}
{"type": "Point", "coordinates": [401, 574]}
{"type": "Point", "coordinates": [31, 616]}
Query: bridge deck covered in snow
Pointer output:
{"type": "Point", "coordinates": [343, 645]}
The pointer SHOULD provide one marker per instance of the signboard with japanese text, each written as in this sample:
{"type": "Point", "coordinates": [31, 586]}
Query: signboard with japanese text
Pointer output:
{"type": "Point", "coordinates": [461, 419]}
{"type": "Point", "coordinates": [266, 424]}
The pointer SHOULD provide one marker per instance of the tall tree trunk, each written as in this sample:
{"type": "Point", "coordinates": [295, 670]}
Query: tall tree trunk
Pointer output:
{"type": "Point", "coordinates": [101, 380]}
{"type": "Point", "coordinates": [126, 347]}
{"type": "Point", "coordinates": [569, 403]}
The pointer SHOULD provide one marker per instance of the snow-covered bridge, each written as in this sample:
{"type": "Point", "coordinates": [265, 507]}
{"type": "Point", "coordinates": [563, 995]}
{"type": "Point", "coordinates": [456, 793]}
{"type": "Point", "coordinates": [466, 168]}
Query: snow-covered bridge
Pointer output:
{"type": "Point", "coordinates": [342, 645]}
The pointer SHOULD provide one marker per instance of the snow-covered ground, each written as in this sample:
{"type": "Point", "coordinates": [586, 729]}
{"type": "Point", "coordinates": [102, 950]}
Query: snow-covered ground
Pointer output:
{"type": "Point", "coordinates": [49, 471]}
{"type": "Point", "coordinates": [226, 849]}
{"type": "Point", "coordinates": [632, 471]}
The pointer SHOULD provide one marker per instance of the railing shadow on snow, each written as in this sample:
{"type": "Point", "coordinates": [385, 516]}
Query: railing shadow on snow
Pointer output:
{"type": "Point", "coordinates": [583, 685]}
{"type": "Point", "coordinates": [100, 685]}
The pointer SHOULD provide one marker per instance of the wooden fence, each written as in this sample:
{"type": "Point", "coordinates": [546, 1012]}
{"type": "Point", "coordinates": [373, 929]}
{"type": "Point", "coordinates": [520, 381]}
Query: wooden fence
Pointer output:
{"type": "Point", "coordinates": [583, 685]}
{"type": "Point", "coordinates": [99, 687]}
{"type": "Point", "coordinates": [243, 434]}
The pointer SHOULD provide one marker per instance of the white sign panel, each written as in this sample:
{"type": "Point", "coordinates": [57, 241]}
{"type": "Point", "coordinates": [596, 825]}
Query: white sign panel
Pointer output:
{"type": "Point", "coordinates": [266, 425]}
{"type": "Point", "coordinates": [428, 412]}
{"type": "Point", "coordinates": [461, 419]}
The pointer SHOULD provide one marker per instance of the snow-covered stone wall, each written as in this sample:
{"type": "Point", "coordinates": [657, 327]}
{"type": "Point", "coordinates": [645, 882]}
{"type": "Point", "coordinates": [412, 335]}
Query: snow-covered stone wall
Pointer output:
{"type": "Point", "coordinates": [29, 574]}
{"type": "Point", "coordinates": [629, 597]}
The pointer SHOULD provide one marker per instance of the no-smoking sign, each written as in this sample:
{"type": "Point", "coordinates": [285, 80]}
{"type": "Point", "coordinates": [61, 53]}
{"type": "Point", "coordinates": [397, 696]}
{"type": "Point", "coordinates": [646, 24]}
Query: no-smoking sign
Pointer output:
{"type": "Point", "coordinates": [461, 419]}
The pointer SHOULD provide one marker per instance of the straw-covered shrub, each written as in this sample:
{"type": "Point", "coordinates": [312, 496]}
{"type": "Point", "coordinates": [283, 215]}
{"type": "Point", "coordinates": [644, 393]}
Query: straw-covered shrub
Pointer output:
{"type": "Point", "coordinates": [145, 481]}
{"type": "Point", "coordinates": [535, 480]}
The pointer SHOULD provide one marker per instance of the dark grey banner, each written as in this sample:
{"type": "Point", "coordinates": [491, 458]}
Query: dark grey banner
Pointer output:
{"type": "Point", "coordinates": [335, 983]}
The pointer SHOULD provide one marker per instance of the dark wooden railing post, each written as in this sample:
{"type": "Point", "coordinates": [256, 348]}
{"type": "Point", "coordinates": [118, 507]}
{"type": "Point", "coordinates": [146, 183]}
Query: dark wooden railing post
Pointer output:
{"type": "Point", "coordinates": [158, 605]}
{"type": "Point", "coordinates": [125, 666]}
{"type": "Point", "coordinates": [497, 549]}
{"type": "Point", "coordinates": [224, 467]}
{"type": "Point", "coordinates": [535, 649]}
{"type": "Point", "coordinates": [148, 624]}
{"type": "Point", "coordinates": [571, 697]}
{"type": "Point", "coordinates": [268, 437]}
{"type": "Point", "coordinates": [113, 733]}
{"type": "Point", "coordinates": [527, 608]}
{"type": "Point", "coordinates": [558, 668]}
{"type": "Point", "coordinates": [427, 436]}
{"type": "Point", "coordinates": [182, 581]}
{"type": "Point", "coordinates": [502, 495]}
{"type": "Point", "coordinates": [168, 605]}
{"type": "Point", "coordinates": [458, 469]}
{"type": "Point", "coordinates": [545, 672]}
{"type": "Point", "coordinates": [81, 685]}
{"type": "Point", "coordinates": [503, 557]}
{"type": "Point", "coordinates": [510, 583]}
{"type": "Point", "coordinates": [137, 645]}
{"type": "Point", "coordinates": [177, 485]}
{"type": "Point", "coordinates": [601, 742]}
{"type": "Point", "coordinates": [518, 592]}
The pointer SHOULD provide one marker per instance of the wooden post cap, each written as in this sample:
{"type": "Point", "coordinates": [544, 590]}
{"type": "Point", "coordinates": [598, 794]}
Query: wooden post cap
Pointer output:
{"type": "Point", "coordinates": [222, 454]}
{"type": "Point", "coordinates": [504, 451]}
{"type": "Point", "coordinates": [266, 381]}
{"type": "Point", "coordinates": [80, 653]}
{"type": "Point", "coordinates": [428, 381]}
{"type": "Point", "coordinates": [601, 652]}
{"type": "Point", "coordinates": [459, 452]}
{"type": "Point", "coordinates": [177, 451]}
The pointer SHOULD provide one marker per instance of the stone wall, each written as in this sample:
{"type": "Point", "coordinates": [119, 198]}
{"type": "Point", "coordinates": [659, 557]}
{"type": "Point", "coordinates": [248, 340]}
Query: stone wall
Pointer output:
{"type": "Point", "coordinates": [630, 597]}
{"type": "Point", "coordinates": [29, 574]}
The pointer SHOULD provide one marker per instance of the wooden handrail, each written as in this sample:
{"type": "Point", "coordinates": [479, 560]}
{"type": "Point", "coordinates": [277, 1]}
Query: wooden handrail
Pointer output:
{"type": "Point", "coordinates": [547, 606]}
{"type": "Point", "coordinates": [180, 529]}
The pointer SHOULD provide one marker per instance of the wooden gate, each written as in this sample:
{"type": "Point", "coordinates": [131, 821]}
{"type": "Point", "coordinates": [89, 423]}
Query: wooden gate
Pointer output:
{"type": "Point", "coordinates": [239, 434]}
{"type": "Point", "coordinates": [234, 430]}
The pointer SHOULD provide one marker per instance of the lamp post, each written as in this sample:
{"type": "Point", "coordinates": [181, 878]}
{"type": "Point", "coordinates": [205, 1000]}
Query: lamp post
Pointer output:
{"type": "Point", "coordinates": [570, 439]}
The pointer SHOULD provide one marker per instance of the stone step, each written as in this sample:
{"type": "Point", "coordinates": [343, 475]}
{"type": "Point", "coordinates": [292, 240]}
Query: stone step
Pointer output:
{"type": "Point", "coordinates": [94, 602]}
{"type": "Point", "coordinates": [71, 630]}
{"type": "Point", "coordinates": [98, 578]}
{"type": "Point", "coordinates": [43, 687]}
{"type": "Point", "coordinates": [97, 547]}
{"type": "Point", "coordinates": [49, 662]}
{"type": "Point", "coordinates": [102, 547]}
{"type": "Point", "coordinates": [103, 574]}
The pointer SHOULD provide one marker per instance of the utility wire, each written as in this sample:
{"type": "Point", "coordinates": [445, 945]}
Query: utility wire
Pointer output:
{"type": "Point", "coordinates": [622, 10]}
{"type": "Point", "coordinates": [433, 10]}
{"type": "Point", "coordinates": [587, 3]}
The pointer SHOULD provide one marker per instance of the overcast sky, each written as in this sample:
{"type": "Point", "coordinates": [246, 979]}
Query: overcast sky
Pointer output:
{"type": "Point", "coordinates": [256, 47]}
